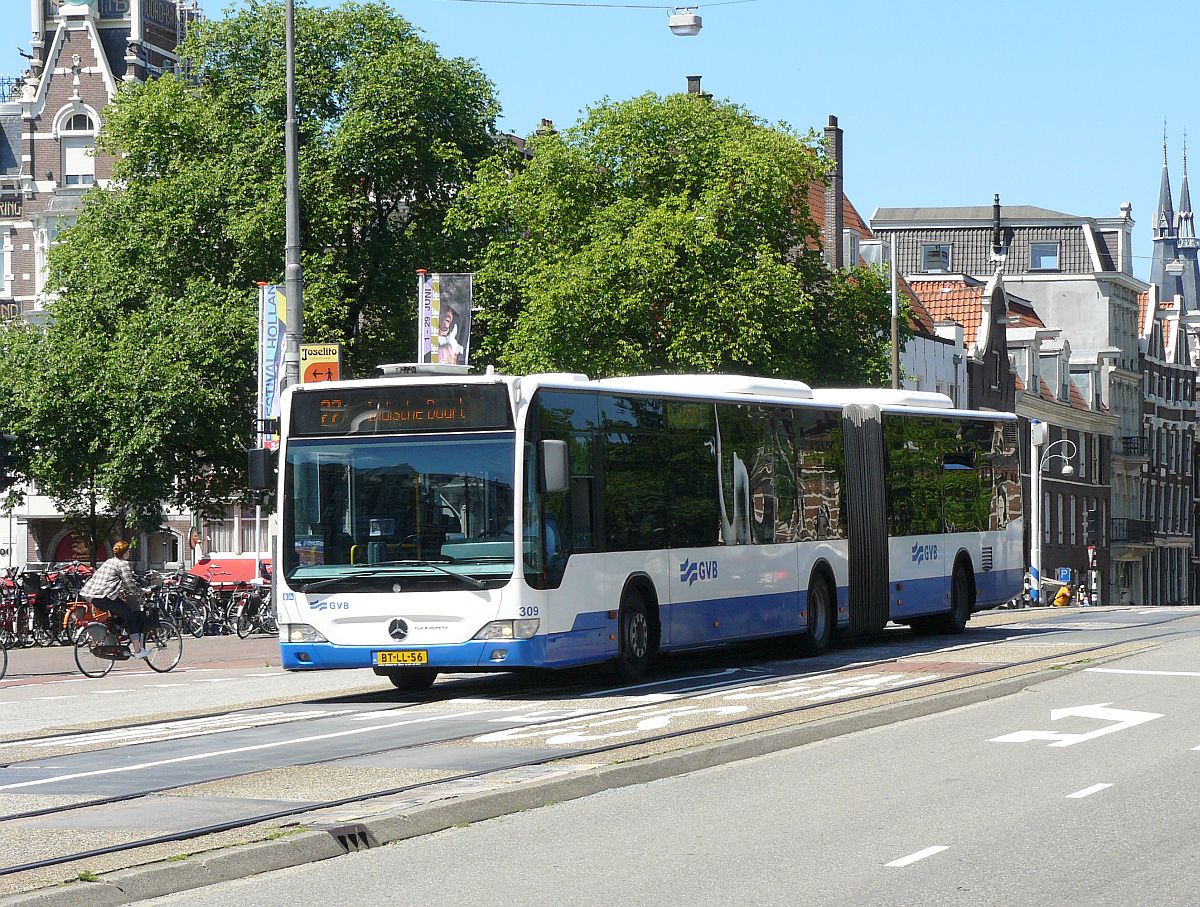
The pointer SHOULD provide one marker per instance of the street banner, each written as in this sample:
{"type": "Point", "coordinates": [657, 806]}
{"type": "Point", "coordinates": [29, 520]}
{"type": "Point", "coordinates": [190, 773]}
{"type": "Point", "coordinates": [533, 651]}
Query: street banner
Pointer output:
{"type": "Point", "coordinates": [272, 306]}
{"type": "Point", "coordinates": [444, 317]}
{"type": "Point", "coordinates": [320, 362]}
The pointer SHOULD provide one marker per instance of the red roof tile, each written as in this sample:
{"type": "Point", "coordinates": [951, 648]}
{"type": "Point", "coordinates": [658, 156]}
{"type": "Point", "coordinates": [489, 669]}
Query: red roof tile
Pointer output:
{"type": "Point", "coordinates": [953, 300]}
{"type": "Point", "coordinates": [1024, 313]}
{"type": "Point", "coordinates": [1019, 383]}
{"type": "Point", "coordinates": [1077, 400]}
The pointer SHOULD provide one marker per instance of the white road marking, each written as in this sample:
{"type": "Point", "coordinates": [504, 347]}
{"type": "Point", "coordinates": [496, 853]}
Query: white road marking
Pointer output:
{"type": "Point", "coordinates": [919, 855]}
{"type": "Point", "coordinates": [1120, 718]}
{"type": "Point", "coordinates": [107, 692]}
{"type": "Point", "coordinates": [47, 698]}
{"type": "Point", "coordinates": [213, 754]}
{"type": "Point", "coordinates": [190, 727]}
{"type": "Point", "coordinates": [271, 674]}
{"type": "Point", "coordinates": [1148, 673]}
{"type": "Point", "coordinates": [1088, 791]}
{"type": "Point", "coordinates": [658, 683]}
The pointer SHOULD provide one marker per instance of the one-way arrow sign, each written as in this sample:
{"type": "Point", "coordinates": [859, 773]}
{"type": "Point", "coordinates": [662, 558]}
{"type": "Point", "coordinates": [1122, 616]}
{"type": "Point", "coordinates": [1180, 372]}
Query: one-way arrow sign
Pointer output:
{"type": "Point", "coordinates": [1121, 718]}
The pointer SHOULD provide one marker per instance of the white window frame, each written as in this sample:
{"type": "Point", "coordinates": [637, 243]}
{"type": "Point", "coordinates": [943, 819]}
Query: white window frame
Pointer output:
{"type": "Point", "coordinates": [1034, 257]}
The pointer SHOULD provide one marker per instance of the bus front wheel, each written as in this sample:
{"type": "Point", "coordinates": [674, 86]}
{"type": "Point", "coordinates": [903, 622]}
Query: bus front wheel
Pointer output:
{"type": "Point", "coordinates": [412, 680]}
{"type": "Point", "coordinates": [633, 638]}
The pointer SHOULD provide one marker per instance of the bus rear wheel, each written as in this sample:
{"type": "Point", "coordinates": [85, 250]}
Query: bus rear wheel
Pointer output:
{"type": "Point", "coordinates": [634, 649]}
{"type": "Point", "coordinates": [962, 601]}
{"type": "Point", "coordinates": [412, 680]}
{"type": "Point", "coordinates": [821, 608]}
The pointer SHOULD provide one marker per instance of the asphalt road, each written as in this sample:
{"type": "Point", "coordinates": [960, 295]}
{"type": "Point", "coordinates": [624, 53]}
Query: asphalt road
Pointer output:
{"type": "Point", "coordinates": [1078, 790]}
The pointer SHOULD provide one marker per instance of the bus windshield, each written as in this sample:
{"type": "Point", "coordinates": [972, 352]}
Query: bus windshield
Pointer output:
{"type": "Point", "coordinates": [429, 504]}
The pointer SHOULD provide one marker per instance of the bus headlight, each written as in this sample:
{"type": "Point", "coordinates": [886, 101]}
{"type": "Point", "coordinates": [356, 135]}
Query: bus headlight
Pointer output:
{"type": "Point", "coordinates": [302, 633]}
{"type": "Point", "coordinates": [508, 629]}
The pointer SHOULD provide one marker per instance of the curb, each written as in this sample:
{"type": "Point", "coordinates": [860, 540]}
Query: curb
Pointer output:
{"type": "Point", "coordinates": [321, 843]}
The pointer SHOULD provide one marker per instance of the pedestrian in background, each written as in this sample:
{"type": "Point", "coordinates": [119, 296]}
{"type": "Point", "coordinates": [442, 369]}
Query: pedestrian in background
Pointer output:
{"type": "Point", "coordinates": [1063, 598]}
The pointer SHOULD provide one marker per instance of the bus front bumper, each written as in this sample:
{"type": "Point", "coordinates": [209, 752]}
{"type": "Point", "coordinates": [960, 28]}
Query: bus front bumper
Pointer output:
{"type": "Point", "coordinates": [558, 651]}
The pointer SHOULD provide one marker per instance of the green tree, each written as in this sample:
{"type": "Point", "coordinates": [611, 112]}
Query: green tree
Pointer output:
{"type": "Point", "coordinates": [154, 323]}
{"type": "Point", "coordinates": [666, 234]}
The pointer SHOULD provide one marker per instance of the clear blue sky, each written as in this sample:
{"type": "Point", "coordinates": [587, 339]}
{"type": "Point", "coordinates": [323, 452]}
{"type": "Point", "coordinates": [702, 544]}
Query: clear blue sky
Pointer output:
{"type": "Point", "coordinates": [1058, 103]}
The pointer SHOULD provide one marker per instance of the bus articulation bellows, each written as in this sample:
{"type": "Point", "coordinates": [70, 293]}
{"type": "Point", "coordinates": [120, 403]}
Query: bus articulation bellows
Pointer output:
{"type": "Point", "coordinates": [434, 523]}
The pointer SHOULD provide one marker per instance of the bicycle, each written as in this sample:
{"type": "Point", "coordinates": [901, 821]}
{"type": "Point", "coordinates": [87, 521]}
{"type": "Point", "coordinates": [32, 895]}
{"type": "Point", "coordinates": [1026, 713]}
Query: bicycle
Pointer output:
{"type": "Point", "coordinates": [250, 612]}
{"type": "Point", "coordinates": [104, 641]}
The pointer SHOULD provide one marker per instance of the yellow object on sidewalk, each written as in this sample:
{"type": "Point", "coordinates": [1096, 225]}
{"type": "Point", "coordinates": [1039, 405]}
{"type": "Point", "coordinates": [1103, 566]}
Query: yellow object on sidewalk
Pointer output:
{"type": "Point", "coordinates": [1063, 597]}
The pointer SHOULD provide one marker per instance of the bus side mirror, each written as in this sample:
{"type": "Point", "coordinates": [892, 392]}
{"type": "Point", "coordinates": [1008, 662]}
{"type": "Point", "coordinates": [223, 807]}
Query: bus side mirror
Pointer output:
{"type": "Point", "coordinates": [260, 469]}
{"type": "Point", "coordinates": [556, 473]}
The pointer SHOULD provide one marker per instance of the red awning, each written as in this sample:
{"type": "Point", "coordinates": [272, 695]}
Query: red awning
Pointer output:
{"type": "Point", "coordinates": [223, 570]}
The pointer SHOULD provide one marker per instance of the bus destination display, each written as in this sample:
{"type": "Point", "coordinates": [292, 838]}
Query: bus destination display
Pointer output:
{"type": "Point", "coordinates": [368, 411]}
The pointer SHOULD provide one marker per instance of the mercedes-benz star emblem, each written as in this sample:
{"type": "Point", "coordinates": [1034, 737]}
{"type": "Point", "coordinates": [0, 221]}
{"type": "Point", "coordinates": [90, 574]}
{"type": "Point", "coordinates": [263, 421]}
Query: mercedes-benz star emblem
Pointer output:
{"type": "Point", "coordinates": [397, 629]}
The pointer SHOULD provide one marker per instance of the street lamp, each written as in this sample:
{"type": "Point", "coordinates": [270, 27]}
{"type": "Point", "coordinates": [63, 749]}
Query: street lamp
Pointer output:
{"type": "Point", "coordinates": [1039, 434]}
{"type": "Point", "coordinates": [684, 23]}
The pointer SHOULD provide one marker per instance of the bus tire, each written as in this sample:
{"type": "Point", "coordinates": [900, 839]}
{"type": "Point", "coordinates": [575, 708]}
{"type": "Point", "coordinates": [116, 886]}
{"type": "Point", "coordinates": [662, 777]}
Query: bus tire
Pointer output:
{"type": "Point", "coordinates": [822, 607]}
{"type": "Point", "coordinates": [962, 599]}
{"type": "Point", "coordinates": [962, 603]}
{"type": "Point", "coordinates": [412, 680]}
{"type": "Point", "coordinates": [634, 635]}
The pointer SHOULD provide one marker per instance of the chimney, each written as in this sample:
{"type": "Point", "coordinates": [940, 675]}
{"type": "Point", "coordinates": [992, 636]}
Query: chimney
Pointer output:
{"type": "Point", "coordinates": [997, 236]}
{"type": "Point", "coordinates": [831, 238]}
{"type": "Point", "coordinates": [693, 83]}
{"type": "Point", "coordinates": [546, 127]}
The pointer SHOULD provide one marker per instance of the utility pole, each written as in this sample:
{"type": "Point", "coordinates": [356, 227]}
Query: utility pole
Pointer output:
{"type": "Point", "coordinates": [895, 320]}
{"type": "Point", "coordinates": [293, 274]}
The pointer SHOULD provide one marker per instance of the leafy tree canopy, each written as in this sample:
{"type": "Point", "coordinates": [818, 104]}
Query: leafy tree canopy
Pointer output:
{"type": "Point", "coordinates": [666, 234]}
{"type": "Point", "coordinates": [142, 388]}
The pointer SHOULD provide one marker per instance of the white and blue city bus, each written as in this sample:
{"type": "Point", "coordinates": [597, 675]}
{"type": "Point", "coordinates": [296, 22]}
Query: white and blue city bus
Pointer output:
{"type": "Point", "coordinates": [445, 522]}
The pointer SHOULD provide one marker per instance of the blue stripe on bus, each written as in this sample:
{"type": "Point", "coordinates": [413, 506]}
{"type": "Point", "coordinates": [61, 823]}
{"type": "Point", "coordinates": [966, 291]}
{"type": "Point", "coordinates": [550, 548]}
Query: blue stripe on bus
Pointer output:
{"type": "Point", "coordinates": [685, 625]}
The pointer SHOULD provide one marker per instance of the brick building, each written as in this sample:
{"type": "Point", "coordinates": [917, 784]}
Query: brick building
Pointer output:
{"type": "Point", "coordinates": [51, 115]}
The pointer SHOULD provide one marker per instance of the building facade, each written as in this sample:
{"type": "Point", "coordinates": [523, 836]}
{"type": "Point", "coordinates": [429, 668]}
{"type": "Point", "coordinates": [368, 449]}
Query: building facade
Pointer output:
{"type": "Point", "coordinates": [1077, 273]}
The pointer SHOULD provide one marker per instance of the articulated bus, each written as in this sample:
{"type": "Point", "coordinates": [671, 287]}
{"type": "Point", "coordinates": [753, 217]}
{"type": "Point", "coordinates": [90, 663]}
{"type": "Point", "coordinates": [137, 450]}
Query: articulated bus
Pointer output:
{"type": "Point", "coordinates": [436, 522]}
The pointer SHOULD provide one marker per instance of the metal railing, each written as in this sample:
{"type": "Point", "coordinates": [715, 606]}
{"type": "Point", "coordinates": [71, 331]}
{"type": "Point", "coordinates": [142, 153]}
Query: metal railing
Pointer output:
{"type": "Point", "coordinates": [1123, 530]}
{"type": "Point", "coordinates": [1133, 446]}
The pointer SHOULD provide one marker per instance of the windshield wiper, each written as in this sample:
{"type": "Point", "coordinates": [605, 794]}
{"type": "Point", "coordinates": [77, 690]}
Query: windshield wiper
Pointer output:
{"type": "Point", "coordinates": [329, 581]}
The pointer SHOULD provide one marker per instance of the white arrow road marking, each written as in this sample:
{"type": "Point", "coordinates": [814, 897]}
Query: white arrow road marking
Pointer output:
{"type": "Point", "coordinates": [1088, 791]}
{"type": "Point", "coordinates": [1121, 718]}
{"type": "Point", "coordinates": [1149, 673]}
{"type": "Point", "coordinates": [919, 855]}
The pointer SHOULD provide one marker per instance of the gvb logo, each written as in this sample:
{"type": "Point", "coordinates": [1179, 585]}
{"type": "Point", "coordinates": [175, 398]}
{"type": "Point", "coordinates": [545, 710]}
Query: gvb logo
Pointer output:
{"type": "Point", "coordinates": [690, 571]}
{"type": "Point", "coordinates": [921, 553]}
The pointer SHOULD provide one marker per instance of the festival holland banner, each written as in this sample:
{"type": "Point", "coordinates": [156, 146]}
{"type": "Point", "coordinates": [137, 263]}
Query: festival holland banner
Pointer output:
{"type": "Point", "coordinates": [444, 318]}
{"type": "Point", "coordinates": [272, 306]}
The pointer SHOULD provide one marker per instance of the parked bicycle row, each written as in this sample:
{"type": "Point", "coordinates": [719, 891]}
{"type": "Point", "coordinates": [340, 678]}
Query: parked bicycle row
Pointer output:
{"type": "Point", "coordinates": [42, 608]}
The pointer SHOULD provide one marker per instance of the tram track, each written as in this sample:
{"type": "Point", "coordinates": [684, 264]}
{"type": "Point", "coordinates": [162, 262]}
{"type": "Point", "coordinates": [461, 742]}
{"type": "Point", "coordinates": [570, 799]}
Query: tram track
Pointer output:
{"type": "Point", "coordinates": [541, 759]}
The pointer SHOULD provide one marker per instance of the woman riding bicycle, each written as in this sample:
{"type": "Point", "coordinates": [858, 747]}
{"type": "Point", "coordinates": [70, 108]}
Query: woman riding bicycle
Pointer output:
{"type": "Point", "coordinates": [115, 589]}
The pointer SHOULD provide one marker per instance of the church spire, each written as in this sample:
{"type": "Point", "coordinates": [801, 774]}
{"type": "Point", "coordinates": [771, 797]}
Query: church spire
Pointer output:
{"type": "Point", "coordinates": [1186, 228]}
{"type": "Point", "coordinates": [1164, 220]}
